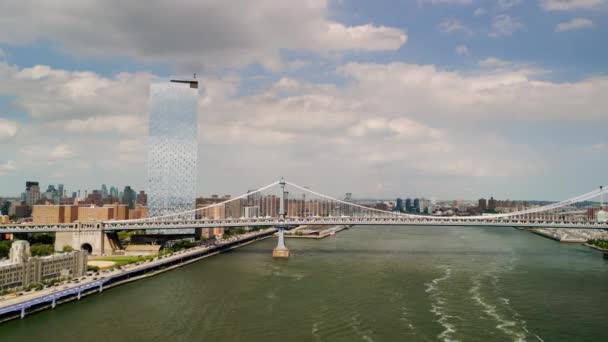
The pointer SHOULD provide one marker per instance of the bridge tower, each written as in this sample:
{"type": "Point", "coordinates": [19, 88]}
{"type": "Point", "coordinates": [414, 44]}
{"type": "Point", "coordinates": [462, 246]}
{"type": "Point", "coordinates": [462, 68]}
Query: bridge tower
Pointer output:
{"type": "Point", "coordinates": [281, 251]}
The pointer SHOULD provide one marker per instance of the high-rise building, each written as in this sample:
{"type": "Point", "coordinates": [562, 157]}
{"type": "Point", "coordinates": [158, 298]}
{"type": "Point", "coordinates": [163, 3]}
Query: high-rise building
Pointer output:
{"type": "Point", "coordinates": [416, 205]}
{"type": "Point", "coordinates": [408, 205]}
{"type": "Point", "coordinates": [172, 147]}
{"type": "Point", "coordinates": [60, 190]}
{"type": "Point", "coordinates": [399, 205]}
{"type": "Point", "coordinates": [104, 191]}
{"type": "Point", "coordinates": [32, 192]}
{"type": "Point", "coordinates": [492, 204]}
{"type": "Point", "coordinates": [128, 197]}
{"type": "Point", "coordinates": [482, 204]}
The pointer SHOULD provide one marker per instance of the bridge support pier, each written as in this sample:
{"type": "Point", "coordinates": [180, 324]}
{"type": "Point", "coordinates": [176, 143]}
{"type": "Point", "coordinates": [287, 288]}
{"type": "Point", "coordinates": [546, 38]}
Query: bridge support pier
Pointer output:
{"type": "Point", "coordinates": [280, 251]}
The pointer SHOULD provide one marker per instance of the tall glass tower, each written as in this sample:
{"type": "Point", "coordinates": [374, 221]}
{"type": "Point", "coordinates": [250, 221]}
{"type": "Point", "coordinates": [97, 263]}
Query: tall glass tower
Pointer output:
{"type": "Point", "coordinates": [172, 148]}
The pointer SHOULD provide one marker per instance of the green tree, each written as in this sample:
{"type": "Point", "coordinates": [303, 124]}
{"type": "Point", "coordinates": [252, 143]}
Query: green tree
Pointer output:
{"type": "Point", "coordinates": [5, 247]}
{"type": "Point", "coordinates": [39, 249]}
{"type": "Point", "coordinates": [67, 249]}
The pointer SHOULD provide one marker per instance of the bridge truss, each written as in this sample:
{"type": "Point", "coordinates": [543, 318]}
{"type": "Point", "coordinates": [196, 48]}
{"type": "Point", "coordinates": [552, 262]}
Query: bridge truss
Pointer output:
{"type": "Point", "coordinates": [284, 203]}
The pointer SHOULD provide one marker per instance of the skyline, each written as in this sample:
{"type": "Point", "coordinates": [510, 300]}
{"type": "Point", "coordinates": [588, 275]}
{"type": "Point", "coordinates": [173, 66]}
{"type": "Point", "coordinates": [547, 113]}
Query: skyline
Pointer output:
{"type": "Point", "coordinates": [430, 97]}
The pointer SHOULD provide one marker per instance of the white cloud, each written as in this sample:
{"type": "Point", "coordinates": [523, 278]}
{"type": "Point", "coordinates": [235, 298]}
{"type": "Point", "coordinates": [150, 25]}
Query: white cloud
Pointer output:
{"type": "Point", "coordinates": [574, 24]}
{"type": "Point", "coordinates": [51, 94]}
{"type": "Point", "coordinates": [453, 26]}
{"type": "Point", "coordinates": [479, 12]}
{"type": "Point", "coordinates": [61, 151]}
{"type": "Point", "coordinates": [447, 2]}
{"type": "Point", "coordinates": [192, 34]}
{"type": "Point", "coordinates": [135, 124]}
{"type": "Point", "coordinates": [566, 5]}
{"type": "Point", "coordinates": [493, 62]}
{"type": "Point", "coordinates": [8, 129]}
{"type": "Point", "coordinates": [506, 4]}
{"type": "Point", "coordinates": [504, 25]}
{"type": "Point", "coordinates": [410, 121]}
{"type": "Point", "coordinates": [7, 167]}
{"type": "Point", "coordinates": [462, 50]}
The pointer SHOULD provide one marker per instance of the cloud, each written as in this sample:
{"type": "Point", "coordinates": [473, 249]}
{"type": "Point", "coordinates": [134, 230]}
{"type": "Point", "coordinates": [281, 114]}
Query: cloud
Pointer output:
{"type": "Point", "coordinates": [447, 2]}
{"type": "Point", "coordinates": [191, 34]}
{"type": "Point", "coordinates": [504, 25]}
{"type": "Point", "coordinates": [450, 26]}
{"type": "Point", "coordinates": [409, 122]}
{"type": "Point", "coordinates": [61, 151]}
{"type": "Point", "coordinates": [567, 5]}
{"type": "Point", "coordinates": [8, 129]}
{"type": "Point", "coordinates": [7, 167]}
{"type": "Point", "coordinates": [462, 50]}
{"type": "Point", "coordinates": [574, 24]}
{"type": "Point", "coordinates": [506, 4]}
{"type": "Point", "coordinates": [127, 124]}
{"type": "Point", "coordinates": [53, 94]}
{"type": "Point", "coordinates": [479, 12]}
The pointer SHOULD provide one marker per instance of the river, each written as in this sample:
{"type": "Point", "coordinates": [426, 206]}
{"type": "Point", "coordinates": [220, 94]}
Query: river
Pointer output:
{"type": "Point", "coordinates": [365, 284]}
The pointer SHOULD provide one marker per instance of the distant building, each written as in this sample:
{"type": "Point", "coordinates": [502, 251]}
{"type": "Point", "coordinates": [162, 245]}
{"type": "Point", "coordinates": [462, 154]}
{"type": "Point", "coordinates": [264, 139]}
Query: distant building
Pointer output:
{"type": "Point", "coordinates": [416, 205]}
{"type": "Point", "coordinates": [408, 205]}
{"type": "Point", "coordinates": [482, 205]}
{"type": "Point", "coordinates": [141, 199]}
{"type": "Point", "coordinates": [251, 211]}
{"type": "Point", "coordinates": [399, 205]}
{"type": "Point", "coordinates": [128, 197]}
{"type": "Point", "coordinates": [492, 204]}
{"type": "Point", "coordinates": [22, 270]}
{"type": "Point", "coordinates": [32, 192]}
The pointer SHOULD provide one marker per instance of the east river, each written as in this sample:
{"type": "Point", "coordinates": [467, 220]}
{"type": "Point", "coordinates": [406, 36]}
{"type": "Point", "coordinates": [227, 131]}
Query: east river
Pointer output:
{"type": "Point", "coordinates": [365, 284]}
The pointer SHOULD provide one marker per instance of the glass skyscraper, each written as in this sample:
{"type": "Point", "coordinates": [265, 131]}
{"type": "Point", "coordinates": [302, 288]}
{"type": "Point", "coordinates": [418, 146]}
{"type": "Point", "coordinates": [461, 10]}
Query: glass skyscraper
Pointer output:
{"type": "Point", "coordinates": [172, 148]}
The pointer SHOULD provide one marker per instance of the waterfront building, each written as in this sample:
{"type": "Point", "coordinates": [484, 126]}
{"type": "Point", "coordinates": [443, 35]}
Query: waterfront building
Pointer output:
{"type": "Point", "coordinates": [22, 270]}
{"type": "Point", "coordinates": [95, 214]}
{"type": "Point", "coordinates": [121, 211]}
{"type": "Point", "coordinates": [48, 214]}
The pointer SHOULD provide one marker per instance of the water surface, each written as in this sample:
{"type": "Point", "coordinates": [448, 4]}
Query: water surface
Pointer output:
{"type": "Point", "coordinates": [366, 284]}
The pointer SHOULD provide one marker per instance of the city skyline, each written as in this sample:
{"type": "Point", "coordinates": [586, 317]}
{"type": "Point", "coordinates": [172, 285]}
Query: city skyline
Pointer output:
{"type": "Point", "coordinates": [450, 99]}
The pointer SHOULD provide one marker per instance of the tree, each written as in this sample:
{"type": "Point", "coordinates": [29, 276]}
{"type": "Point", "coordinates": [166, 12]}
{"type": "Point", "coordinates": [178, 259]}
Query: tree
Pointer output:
{"type": "Point", "coordinates": [5, 247]}
{"type": "Point", "coordinates": [39, 249]}
{"type": "Point", "coordinates": [67, 249]}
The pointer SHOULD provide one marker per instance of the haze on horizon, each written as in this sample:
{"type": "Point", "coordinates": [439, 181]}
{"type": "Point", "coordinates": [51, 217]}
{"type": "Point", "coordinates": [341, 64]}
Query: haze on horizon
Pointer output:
{"type": "Point", "coordinates": [434, 98]}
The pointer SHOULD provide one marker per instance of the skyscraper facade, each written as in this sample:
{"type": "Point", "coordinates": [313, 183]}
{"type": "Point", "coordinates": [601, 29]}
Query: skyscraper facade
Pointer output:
{"type": "Point", "coordinates": [172, 147]}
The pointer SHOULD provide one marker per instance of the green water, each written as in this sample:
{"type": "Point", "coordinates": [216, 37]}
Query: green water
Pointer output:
{"type": "Point", "coordinates": [366, 284]}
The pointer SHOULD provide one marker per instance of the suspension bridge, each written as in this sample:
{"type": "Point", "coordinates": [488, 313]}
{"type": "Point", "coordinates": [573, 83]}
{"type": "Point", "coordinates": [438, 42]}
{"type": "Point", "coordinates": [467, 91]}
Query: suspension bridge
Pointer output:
{"type": "Point", "coordinates": [263, 207]}
{"type": "Point", "coordinates": [283, 204]}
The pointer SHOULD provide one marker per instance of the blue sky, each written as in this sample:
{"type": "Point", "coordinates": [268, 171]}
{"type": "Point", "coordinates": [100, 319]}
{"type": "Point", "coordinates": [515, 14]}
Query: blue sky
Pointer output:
{"type": "Point", "coordinates": [444, 98]}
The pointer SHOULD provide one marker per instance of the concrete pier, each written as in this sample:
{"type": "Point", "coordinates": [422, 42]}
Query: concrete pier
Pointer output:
{"type": "Point", "coordinates": [280, 251]}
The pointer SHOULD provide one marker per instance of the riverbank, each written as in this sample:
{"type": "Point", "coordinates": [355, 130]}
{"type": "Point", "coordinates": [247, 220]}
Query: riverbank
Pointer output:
{"type": "Point", "coordinates": [28, 303]}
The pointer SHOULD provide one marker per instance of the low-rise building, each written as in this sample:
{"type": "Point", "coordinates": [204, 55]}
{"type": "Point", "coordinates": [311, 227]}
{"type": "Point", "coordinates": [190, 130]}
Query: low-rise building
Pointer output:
{"type": "Point", "coordinates": [22, 270]}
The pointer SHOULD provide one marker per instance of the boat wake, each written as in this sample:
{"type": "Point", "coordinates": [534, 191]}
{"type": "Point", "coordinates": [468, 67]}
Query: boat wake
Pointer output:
{"type": "Point", "coordinates": [507, 319]}
{"type": "Point", "coordinates": [439, 307]}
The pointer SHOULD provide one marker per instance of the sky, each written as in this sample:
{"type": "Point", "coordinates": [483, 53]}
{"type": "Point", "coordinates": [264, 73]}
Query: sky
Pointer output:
{"type": "Point", "coordinates": [450, 99]}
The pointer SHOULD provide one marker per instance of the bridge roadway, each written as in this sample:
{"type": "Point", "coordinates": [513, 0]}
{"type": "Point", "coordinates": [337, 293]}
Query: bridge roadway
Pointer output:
{"type": "Point", "coordinates": [297, 221]}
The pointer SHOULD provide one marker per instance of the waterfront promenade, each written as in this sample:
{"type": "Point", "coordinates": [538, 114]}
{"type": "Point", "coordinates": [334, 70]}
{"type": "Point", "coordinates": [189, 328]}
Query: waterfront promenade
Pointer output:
{"type": "Point", "coordinates": [12, 307]}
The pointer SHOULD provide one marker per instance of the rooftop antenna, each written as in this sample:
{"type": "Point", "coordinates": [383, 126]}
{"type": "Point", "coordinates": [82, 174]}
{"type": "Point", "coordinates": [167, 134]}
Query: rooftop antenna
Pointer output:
{"type": "Point", "coordinates": [194, 76]}
{"type": "Point", "coordinates": [601, 198]}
